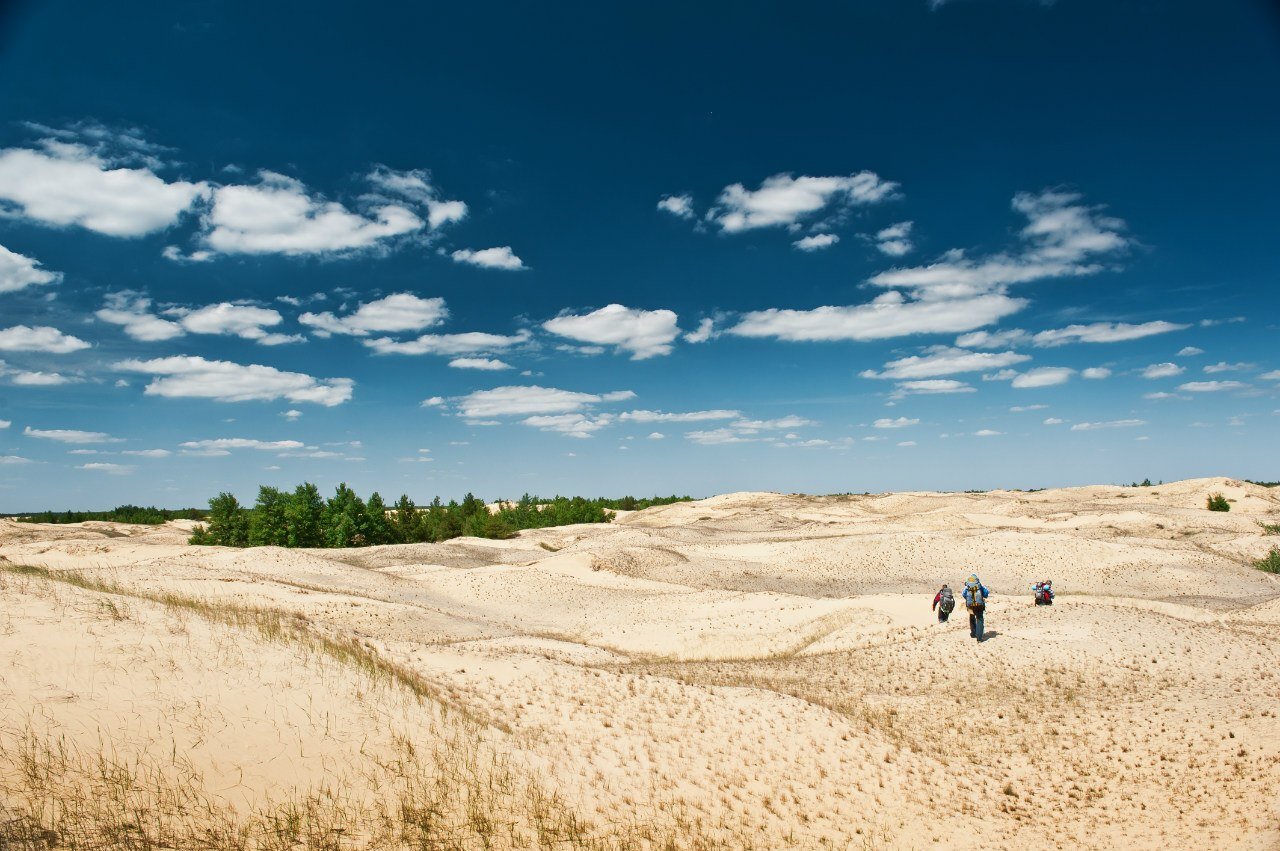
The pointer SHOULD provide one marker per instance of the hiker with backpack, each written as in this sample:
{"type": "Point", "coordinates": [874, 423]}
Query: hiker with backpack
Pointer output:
{"type": "Point", "coordinates": [975, 598]}
{"type": "Point", "coordinates": [945, 602]}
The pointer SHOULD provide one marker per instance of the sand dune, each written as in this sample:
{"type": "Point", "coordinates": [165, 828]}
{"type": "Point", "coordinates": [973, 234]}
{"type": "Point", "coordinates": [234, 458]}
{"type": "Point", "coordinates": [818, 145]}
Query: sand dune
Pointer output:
{"type": "Point", "coordinates": [753, 669]}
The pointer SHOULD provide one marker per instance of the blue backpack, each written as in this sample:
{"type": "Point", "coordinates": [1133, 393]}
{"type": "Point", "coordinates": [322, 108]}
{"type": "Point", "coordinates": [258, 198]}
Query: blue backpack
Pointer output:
{"type": "Point", "coordinates": [973, 595]}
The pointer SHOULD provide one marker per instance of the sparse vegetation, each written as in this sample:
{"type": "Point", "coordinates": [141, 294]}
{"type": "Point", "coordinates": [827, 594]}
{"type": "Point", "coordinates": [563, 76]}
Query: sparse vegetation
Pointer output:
{"type": "Point", "coordinates": [1270, 562]}
{"type": "Point", "coordinates": [1270, 528]}
{"type": "Point", "coordinates": [303, 518]}
{"type": "Point", "coordinates": [1218, 502]}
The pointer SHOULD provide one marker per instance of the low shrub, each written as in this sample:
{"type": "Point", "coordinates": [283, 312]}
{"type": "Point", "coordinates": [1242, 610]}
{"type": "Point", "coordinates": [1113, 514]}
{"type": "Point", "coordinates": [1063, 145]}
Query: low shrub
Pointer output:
{"type": "Point", "coordinates": [1218, 502]}
{"type": "Point", "coordinates": [1270, 562]}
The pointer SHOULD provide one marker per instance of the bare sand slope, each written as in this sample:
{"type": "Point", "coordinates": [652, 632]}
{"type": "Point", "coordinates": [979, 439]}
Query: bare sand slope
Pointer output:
{"type": "Point", "coordinates": [753, 669]}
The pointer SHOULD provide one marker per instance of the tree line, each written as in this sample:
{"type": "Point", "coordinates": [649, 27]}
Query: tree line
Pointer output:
{"type": "Point", "coordinates": [303, 518]}
{"type": "Point", "coordinates": [150, 515]}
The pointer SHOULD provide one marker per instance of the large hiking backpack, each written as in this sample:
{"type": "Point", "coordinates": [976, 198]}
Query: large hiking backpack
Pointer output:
{"type": "Point", "coordinates": [947, 601]}
{"type": "Point", "coordinates": [973, 595]}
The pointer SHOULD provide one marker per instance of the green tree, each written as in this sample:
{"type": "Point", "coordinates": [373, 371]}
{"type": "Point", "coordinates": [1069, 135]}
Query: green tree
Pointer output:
{"type": "Point", "coordinates": [1218, 502]}
{"type": "Point", "coordinates": [228, 523]}
{"type": "Point", "coordinates": [268, 522]}
{"type": "Point", "coordinates": [346, 520]}
{"type": "Point", "coordinates": [305, 515]}
{"type": "Point", "coordinates": [378, 529]}
{"type": "Point", "coordinates": [407, 524]}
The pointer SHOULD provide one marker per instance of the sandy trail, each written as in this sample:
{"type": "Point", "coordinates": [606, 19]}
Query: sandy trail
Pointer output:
{"type": "Point", "coordinates": [767, 662]}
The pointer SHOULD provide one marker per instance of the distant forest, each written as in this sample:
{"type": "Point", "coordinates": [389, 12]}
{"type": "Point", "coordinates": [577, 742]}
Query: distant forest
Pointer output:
{"type": "Point", "coordinates": [303, 518]}
{"type": "Point", "coordinates": [119, 514]}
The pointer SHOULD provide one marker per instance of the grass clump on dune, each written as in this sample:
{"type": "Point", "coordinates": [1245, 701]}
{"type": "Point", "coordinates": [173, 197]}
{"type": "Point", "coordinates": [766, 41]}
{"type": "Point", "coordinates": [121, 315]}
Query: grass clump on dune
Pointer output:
{"type": "Point", "coordinates": [1270, 562]}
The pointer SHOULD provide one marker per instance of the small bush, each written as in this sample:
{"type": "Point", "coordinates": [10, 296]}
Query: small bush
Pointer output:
{"type": "Point", "coordinates": [1218, 502]}
{"type": "Point", "coordinates": [1270, 528]}
{"type": "Point", "coordinates": [1270, 562]}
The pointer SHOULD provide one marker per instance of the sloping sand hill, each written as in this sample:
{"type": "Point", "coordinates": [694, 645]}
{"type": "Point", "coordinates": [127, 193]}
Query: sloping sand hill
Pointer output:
{"type": "Point", "coordinates": [752, 670]}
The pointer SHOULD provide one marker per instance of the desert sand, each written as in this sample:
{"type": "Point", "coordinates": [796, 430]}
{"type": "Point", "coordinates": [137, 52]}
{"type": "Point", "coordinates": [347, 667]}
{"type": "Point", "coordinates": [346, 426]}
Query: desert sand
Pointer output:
{"type": "Point", "coordinates": [751, 670]}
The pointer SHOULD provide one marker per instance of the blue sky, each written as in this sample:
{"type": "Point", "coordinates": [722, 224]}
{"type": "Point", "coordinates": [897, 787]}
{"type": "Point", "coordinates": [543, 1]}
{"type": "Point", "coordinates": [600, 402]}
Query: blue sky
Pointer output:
{"type": "Point", "coordinates": [824, 247]}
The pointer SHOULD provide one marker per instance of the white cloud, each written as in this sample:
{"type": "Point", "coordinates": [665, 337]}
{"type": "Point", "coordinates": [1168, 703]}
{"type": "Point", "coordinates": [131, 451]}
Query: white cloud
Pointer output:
{"type": "Point", "coordinates": [132, 311]}
{"type": "Point", "coordinates": [987, 432]}
{"type": "Point", "coordinates": [490, 364]}
{"type": "Point", "coordinates": [41, 338]}
{"type": "Point", "coordinates": [680, 206]}
{"type": "Point", "coordinates": [69, 184]}
{"type": "Point", "coordinates": [644, 333]}
{"type": "Point", "coordinates": [900, 422]}
{"type": "Point", "coordinates": [783, 200]}
{"type": "Point", "coordinates": [5, 423]}
{"type": "Point", "coordinates": [500, 257]}
{"type": "Point", "coordinates": [656, 435]}
{"type": "Point", "coordinates": [70, 435]}
{"type": "Point", "coordinates": [470, 342]}
{"type": "Point", "coordinates": [1274, 375]}
{"type": "Point", "coordinates": [942, 360]}
{"type": "Point", "coordinates": [240, 320]}
{"type": "Point", "coordinates": [717, 436]}
{"type": "Point", "coordinates": [570, 425]}
{"type": "Point", "coordinates": [992, 339]}
{"type": "Point", "coordinates": [18, 272]}
{"type": "Point", "coordinates": [148, 453]}
{"type": "Point", "coordinates": [390, 314]}
{"type": "Point", "coordinates": [889, 315]}
{"type": "Point", "coordinates": [1103, 332]}
{"type": "Point", "coordinates": [292, 415]}
{"type": "Point", "coordinates": [895, 240]}
{"type": "Point", "coordinates": [1053, 421]}
{"type": "Point", "coordinates": [706, 331]}
{"type": "Point", "coordinates": [106, 467]}
{"type": "Point", "coordinates": [782, 423]}
{"type": "Point", "coordinates": [1211, 386]}
{"type": "Point", "coordinates": [531, 400]}
{"type": "Point", "coordinates": [1109, 424]}
{"type": "Point", "coordinates": [1162, 370]}
{"type": "Point", "coordinates": [907, 443]}
{"type": "Point", "coordinates": [1163, 395]}
{"type": "Point", "coordinates": [1062, 239]}
{"type": "Point", "coordinates": [1018, 409]}
{"type": "Point", "coordinates": [14, 460]}
{"type": "Point", "coordinates": [1095, 373]}
{"type": "Point", "coordinates": [433, 402]}
{"type": "Point", "coordinates": [1189, 351]}
{"type": "Point", "coordinates": [279, 216]}
{"type": "Point", "coordinates": [224, 381]}
{"type": "Point", "coordinates": [1045, 376]}
{"type": "Point", "coordinates": [41, 379]}
{"type": "Point", "coordinates": [416, 186]}
{"type": "Point", "coordinates": [932, 386]}
{"type": "Point", "coordinates": [1223, 366]}
{"type": "Point", "coordinates": [686, 417]}
{"type": "Point", "coordinates": [816, 242]}
{"type": "Point", "coordinates": [224, 444]}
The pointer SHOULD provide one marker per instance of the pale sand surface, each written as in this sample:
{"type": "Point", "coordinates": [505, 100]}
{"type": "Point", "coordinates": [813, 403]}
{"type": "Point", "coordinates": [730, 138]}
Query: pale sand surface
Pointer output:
{"type": "Point", "coordinates": [769, 661]}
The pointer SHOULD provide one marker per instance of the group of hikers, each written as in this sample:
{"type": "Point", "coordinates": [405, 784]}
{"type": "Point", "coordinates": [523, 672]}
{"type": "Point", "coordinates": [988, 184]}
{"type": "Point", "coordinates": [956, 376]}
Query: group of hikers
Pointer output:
{"type": "Point", "coordinates": [975, 600]}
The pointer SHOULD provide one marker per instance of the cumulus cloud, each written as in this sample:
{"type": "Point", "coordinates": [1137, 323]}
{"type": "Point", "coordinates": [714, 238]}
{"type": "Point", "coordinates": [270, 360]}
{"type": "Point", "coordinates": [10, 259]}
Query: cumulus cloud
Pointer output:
{"type": "Point", "coordinates": [684, 417]}
{"type": "Point", "coordinates": [70, 435]}
{"type": "Point", "coordinates": [816, 242]}
{"type": "Point", "coordinates": [895, 240]}
{"type": "Point", "coordinates": [943, 360]}
{"type": "Point", "coordinates": [501, 257]}
{"type": "Point", "coordinates": [888, 315]}
{"type": "Point", "coordinates": [132, 311]}
{"type": "Point", "coordinates": [278, 215]}
{"type": "Point", "coordinates": [18, 272]}
{"type": "Point", "coordinates": [1211, 386]}
{"type": "Point", "coordinates": [992, 339]}
{"type": "Point", "coordinates": [1274, 375]}
{"type": "Point", "coordinates": [1162, 370]}
{"type": "Point", "coordinates": [987, 432]}
{"type": "Point", "coordinates": [716, 436]}
{"type": "Point", "coordinates": [657, 435]}
{"type": "Point", "coordinates": [783, 200]}
{"type": "Point", "coordinates": [471, 342]}
{"type": "Point", "coordinates": [1108, 424]}
{"type": "Point", "coordinates": [41, 338]}
{"type": "Point", "coordinates": [1095, 373]}
{"type": "Point", "coordinates": [1189, 351]}
{"type": "Point", "coordinates": [570, 425]}
{"type": "Point", "coordinates": [931, 386]}
{"type": "Point", "coordinates": [147, 453]}
{"type": "Point", "coordinates": [900, 422]}
{"type": "Point", "coordinates": [67, 184]}
{"type": "Point", "coordinates": [391, 314]}
{"type": "Point", "coordinates": [680, 206]}
{"type": "Point", "coordinates": [223, 445]}
{"type": "Point", "coordinates": [705, 331]}
{"type": "Point", "coordinates": [531, 400]}
{"type": "Point", "coordinates": [106, 467]}
{"type": "Point", "coordinates": [1063, 238]}
{"type": "Point", "coordinates": [1045, 376]}
{"type": "Point", "coordinates": [643, 333]}
{"type": "Point", "coordinates": [1053, 421]}
{"type": "Point", "coordinates": [489, 364]}
{"type": "Point", "coordinates": [1018, 409]}
{"type": "Point", "coordinates": [1104, 332]}
{"type": "Point", "coordinates": [41, 379]}
{"type": "Point", "coordinates": [224, 381]}
{"type": "Point", "coordinates": [415, 185]}
{"type": "Point", "coordinates": [1223, 366]}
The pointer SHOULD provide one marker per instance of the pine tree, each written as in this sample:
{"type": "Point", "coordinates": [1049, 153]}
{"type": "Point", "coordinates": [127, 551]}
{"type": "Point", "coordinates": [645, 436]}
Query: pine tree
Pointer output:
{"type": "Point", "coordinates": [407, 524]}
{"type": "Point", "coordinates": [305, 514]}
{"type": "Point", "coordinates": [378, 527]}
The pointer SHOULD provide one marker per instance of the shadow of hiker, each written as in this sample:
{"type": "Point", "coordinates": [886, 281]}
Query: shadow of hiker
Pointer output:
{"type": "Point", "coordinates": [988, 635]}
